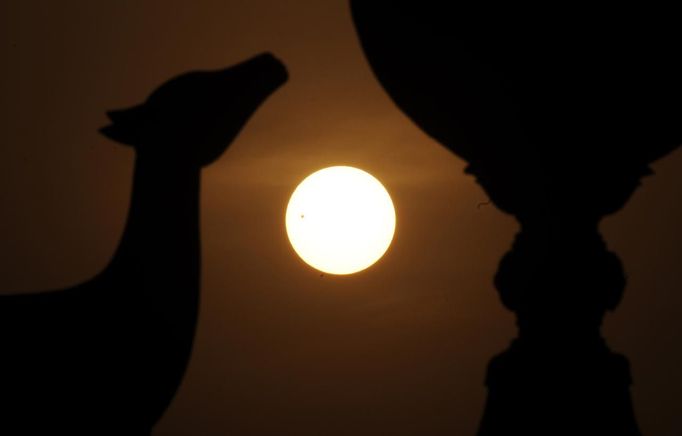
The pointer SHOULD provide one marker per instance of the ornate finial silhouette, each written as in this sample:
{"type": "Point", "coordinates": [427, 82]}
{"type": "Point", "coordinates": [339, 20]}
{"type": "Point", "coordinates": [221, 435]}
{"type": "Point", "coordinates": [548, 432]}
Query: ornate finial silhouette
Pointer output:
{"type": "Point", "coordinates": [107, 356]}
{"type": "Point", "coordinates": [559, 113]}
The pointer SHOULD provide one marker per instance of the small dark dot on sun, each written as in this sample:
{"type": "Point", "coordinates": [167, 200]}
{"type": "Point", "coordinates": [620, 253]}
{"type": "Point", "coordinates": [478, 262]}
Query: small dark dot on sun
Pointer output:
{"type": "Point", "coordinates": [302, 216]}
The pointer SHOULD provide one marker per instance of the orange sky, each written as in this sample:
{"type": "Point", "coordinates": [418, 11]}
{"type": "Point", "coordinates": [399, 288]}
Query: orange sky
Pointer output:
{"type": "Point", "coordinates": [398, 349]}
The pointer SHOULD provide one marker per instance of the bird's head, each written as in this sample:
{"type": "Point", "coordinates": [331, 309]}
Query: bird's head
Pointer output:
{"type": "Point", "coordinates": [196, 115]}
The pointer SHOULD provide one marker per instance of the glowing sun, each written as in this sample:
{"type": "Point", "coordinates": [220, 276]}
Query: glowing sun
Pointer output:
{"type": "Point", "coordinates": [340, 220]}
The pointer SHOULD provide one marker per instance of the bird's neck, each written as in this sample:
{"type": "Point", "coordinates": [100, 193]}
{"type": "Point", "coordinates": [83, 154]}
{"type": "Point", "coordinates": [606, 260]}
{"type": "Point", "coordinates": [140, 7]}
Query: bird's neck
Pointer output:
{"type": "Point", "coordinates": [158, 258]}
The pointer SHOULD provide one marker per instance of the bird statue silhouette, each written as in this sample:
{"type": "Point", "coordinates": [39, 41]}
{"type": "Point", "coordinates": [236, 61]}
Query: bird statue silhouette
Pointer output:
{"type": "Point", "coordinates": [107, 356]}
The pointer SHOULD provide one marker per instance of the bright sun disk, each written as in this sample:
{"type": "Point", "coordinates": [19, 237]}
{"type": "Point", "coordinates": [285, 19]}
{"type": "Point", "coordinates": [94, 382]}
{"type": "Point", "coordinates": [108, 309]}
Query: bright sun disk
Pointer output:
{"type": "Point", "coordinates": [340, 220]}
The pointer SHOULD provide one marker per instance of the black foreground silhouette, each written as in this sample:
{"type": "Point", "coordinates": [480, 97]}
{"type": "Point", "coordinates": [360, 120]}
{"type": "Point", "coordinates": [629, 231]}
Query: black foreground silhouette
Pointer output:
{"type": "Point", "coordinates": [559, 111]}
{"type": "Point", "coordinates": [107, 356]}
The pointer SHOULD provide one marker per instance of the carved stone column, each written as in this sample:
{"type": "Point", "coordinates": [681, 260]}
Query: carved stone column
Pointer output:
{"type": "Point", "coordinates": [559, 113]}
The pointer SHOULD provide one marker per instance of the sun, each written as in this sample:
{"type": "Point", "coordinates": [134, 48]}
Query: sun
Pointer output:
{"type": "Point", "coordinates": [340, 220]}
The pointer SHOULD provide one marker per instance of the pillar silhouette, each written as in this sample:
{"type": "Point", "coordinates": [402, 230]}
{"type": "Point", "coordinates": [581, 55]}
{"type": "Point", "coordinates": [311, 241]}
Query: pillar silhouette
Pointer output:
{"type": "Point", "coordinates": [559, 113]}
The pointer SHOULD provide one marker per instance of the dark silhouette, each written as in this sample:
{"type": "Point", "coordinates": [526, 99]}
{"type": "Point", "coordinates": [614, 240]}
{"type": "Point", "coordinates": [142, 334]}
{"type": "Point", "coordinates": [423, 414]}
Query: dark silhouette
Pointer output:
{"type": "Point", "coordinates": [558, 112]}
{"type": "Point", "coordinates": [107, 356]}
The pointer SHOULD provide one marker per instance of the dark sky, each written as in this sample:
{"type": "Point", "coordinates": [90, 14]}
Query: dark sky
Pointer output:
{"type": "Point", "coordinates": [399, 349]}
